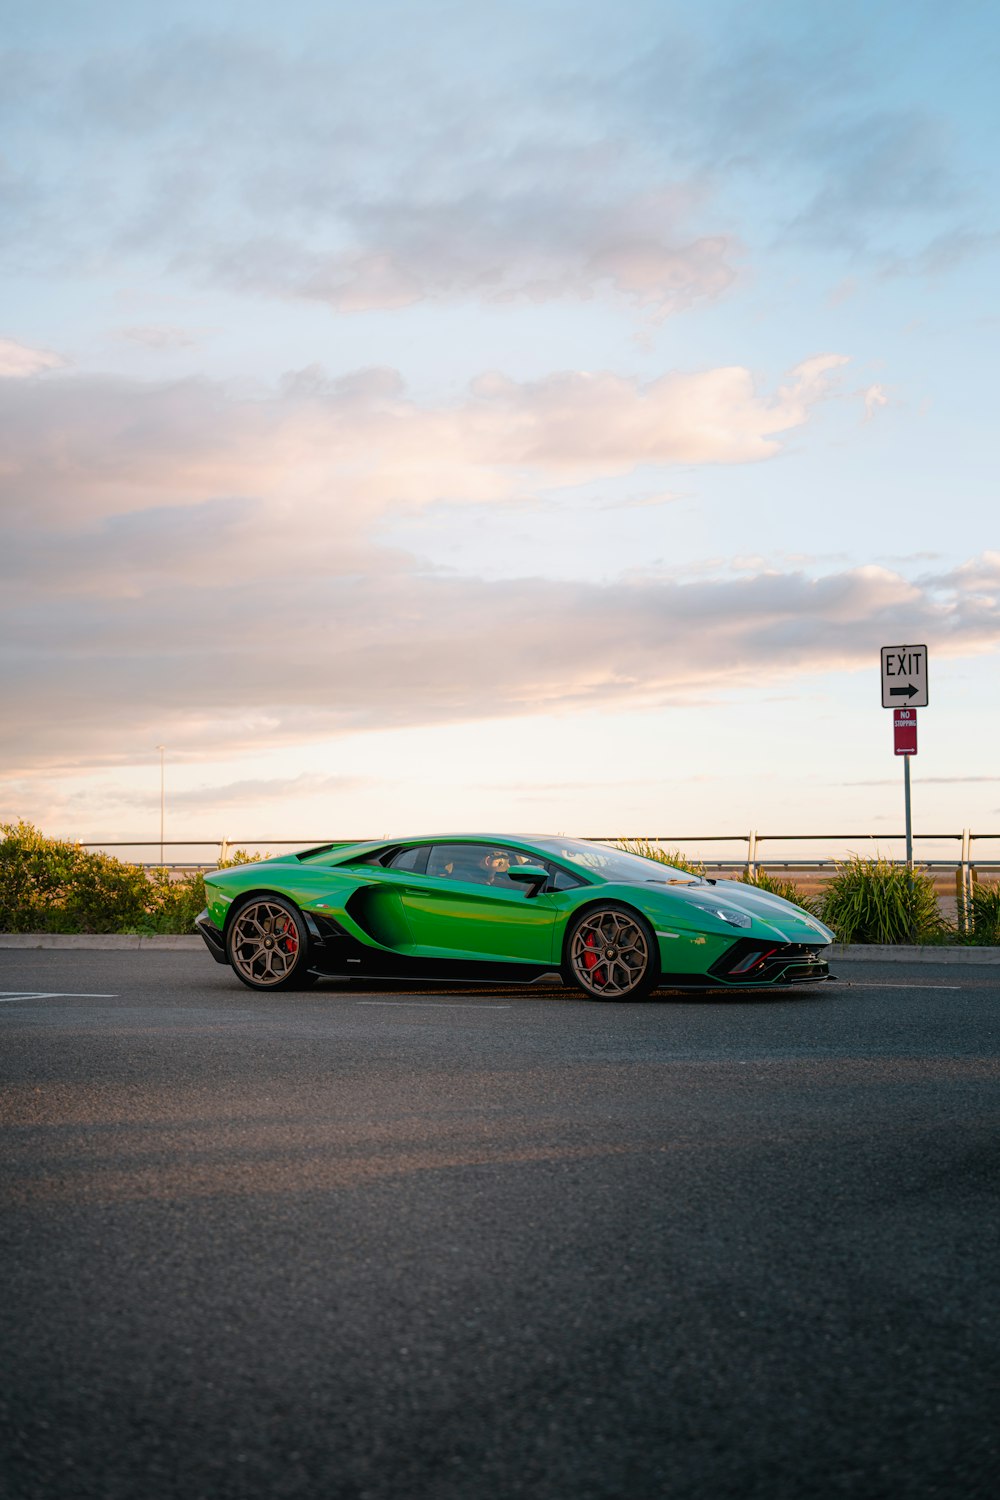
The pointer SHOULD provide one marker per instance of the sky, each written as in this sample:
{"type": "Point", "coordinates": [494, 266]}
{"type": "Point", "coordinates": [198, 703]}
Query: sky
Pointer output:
{"type": "Point", "coordinates": [527, 417]}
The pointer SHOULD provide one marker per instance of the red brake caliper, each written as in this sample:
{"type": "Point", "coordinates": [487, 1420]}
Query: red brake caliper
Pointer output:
{"type": "Point", "coordinates": [591, 960]}
{"type": "Point", "coordinates": [291, 938]}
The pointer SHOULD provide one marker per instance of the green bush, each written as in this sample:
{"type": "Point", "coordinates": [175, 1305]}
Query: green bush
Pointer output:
{"type": "Point", "coordinates": [984, 913]}
{"type": "Point", "coordinates": [50, 885]}
{"type": "Point", "coordinates": [34, 875]}
{"type": "Point", "coordinates": [105, 895]}
{"type": "Point", "coordinates": [174, 903]}
{"type": "Point", "coordinates": [875, 901]}
{"type": "Point", "coordinates": [786, 889]}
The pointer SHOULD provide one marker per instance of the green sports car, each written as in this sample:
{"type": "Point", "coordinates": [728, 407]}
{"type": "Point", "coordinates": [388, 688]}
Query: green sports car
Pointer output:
{"type": "Point", "coordinates": [476, 908]}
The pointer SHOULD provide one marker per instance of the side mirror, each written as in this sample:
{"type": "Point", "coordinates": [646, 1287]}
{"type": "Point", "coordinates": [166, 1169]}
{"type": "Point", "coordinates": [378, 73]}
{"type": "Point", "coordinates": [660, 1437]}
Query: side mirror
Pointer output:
{"type": "Point", "coordinates": [533, 876]}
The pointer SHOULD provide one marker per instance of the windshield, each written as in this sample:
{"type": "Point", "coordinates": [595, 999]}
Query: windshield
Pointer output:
{"type": "Point", "coordinates": [615, 864]}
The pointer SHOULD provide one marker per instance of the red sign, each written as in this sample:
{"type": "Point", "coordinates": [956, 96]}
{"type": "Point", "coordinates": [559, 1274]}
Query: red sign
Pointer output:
{"type": "Point", "coordinates": [904, 731]}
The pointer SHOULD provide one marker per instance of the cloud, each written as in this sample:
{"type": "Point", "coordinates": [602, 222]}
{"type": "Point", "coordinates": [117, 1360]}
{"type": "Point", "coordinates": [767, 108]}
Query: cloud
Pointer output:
{"type": "Point", "coordinates": [105, 800]}
{"type": "Point", "coordinates": [200, 566]}
{"type": "Point", "coordinates": [342, 174]}
{"type": "Point", "coordinates": [979, 578]}
{"type": "Point", "coordinates": [574, 233]}
{"type": "Point", "coordinates": [161, 336]}
{"type": "Point", "coordinates": [559, 239]}
{"type": "Point", "coordinates": [248, 662]}
{"type": "Point", "coordinates": [880, 167]}
{"type": "Point", "coordinates": [635, 162]}
{"type": "Point", "coordinates": [18, 361]}
{"type": "Point", "coordinates": [368, 166]}
{"type": "Point", "coordinates": [254, 791]}
{"type": "Point", "coordinates": [945, 252]}
{"type": "Point", "coordinates": [582, 423]}
{"type": "Point", "coordinates": [86, 449]}
{"type": "Point", "coordinates": [924, 781]}
{"type": "Point", "coordinates": [874, 397]}
{"type": "Point", "coordinates": [795, 112]}
{"type": "Point", "coordinates": [643, 502]}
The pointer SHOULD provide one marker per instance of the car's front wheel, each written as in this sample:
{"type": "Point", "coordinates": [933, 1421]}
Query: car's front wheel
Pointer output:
{"type": "Point", "coordinates": [267, 944]}
{"type": "Point", "coordinates": [611, 954]}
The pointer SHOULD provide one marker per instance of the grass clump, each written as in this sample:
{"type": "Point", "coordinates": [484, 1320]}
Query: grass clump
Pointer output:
{"type": "Point", "coordinates": [983, 914]}
{"type": "Point", "coordinates": [673, 857]}
{"type": "Point", "coordinates": [786, 889]}
{"type": "Point", "coordinates": [871, 900]}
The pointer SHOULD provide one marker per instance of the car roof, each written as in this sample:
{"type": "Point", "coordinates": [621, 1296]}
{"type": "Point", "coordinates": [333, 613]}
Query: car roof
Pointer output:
{"type": "Point", "coordinates": [443, 838]}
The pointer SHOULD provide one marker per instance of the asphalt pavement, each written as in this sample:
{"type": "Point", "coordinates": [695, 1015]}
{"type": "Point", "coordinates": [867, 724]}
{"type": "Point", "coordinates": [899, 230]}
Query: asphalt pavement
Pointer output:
{"type": "Point", "coordinates": [369, 1243]}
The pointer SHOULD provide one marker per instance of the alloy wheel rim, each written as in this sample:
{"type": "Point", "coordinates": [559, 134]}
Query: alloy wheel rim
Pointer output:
{"type": "Point", "coordinates": [610, 953]}
{"type": "Point", "coordinates": [265, 943]}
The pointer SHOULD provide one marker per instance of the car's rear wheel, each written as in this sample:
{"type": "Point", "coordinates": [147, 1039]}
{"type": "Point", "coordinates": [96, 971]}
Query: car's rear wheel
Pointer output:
{"type": "Point", "coordinates": [267, 944]}
{"type": "Point", "coordinates": [611, 954]}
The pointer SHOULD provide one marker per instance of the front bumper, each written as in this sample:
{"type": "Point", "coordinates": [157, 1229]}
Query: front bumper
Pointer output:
{"type": "Point", "coordinates": [756, 961]}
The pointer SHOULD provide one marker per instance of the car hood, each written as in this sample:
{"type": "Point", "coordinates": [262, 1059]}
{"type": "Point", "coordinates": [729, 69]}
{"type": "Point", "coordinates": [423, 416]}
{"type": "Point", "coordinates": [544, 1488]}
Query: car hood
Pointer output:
{"type": "Point", "coordinates": [771, 915]}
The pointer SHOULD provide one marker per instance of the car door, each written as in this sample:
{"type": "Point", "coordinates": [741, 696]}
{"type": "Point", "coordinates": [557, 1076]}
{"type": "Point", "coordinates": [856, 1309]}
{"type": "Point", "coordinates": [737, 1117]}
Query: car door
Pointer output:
{"type": "Point", "coordinates": [466, 906]}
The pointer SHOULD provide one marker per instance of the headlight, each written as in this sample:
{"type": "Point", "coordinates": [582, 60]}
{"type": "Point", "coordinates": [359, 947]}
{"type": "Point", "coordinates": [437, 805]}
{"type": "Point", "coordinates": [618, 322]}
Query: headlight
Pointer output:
{"type": "Point", "coordinates": [727, 913]}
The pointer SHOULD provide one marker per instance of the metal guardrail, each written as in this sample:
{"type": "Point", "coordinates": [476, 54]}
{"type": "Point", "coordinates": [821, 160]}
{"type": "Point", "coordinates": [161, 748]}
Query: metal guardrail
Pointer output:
{"type": "Point", "coordinates": [752, 859]}
{"type": "Point", "coordinates": [753, 840]}
{"type": "Point", "coordinates": [966, 867]}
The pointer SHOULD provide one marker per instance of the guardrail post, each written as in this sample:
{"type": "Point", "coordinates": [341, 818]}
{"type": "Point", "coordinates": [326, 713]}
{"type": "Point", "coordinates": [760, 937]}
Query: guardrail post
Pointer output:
{"type": "Point", "coordinates": [223, 851]}
{"type": "Point", "coordinates": [752, 853]}
{"type": "Point", "coordinates": [965, 873]}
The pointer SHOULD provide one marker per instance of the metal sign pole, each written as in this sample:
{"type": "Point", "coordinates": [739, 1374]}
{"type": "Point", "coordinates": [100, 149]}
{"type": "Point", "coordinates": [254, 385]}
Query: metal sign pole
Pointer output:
{"type": "Point", "coordinates": [161, 749]}
{"type": "Point", "coordinates": [909, 851]}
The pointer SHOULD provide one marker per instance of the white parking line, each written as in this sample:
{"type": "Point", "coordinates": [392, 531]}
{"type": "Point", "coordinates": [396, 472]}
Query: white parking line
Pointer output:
{"type": "Point", "coordinates": [436, 1004]}
{"type": "Point", "coordinates": [7, 997]}
{"type": "Point", "coordinates": [879, 984]}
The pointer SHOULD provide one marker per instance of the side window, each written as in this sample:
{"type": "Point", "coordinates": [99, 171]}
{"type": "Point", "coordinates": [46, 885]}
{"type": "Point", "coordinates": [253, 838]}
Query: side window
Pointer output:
{"type": "Point", "coordinates": [414, 859]}
{"type": "Point", "coordinates": [374, 857]}
{"type": "Point", "coordinates": [475, 864]}
{"type": "Point", "coordinates": [563, 880]}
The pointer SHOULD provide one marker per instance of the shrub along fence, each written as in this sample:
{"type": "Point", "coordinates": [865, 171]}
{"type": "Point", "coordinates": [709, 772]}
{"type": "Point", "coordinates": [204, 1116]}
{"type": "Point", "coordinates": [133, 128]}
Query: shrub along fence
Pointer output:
{"type": "Point", "coordinates": [51, 885]}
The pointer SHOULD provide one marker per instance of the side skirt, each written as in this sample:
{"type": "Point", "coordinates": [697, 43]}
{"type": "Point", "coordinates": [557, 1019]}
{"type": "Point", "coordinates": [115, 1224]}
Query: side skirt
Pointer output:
{"type": "Point", "coordinates": [335, 954]}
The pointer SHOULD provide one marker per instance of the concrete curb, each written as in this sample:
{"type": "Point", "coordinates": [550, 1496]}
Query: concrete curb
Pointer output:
{"type": "Point", "coordinates": [839, 952]}
{"type": "Point", "coordinates": [876, 953]}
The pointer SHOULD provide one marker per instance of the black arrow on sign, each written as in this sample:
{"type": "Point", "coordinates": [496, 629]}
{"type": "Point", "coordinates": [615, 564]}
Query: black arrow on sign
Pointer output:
{"type": "Point", "coordinates": [906, 692]}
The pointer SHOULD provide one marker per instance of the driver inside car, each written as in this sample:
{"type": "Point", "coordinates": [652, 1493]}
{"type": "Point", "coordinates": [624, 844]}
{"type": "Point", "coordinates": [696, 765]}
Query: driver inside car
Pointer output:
{"type": "Point", "coordinates": [496, 864]}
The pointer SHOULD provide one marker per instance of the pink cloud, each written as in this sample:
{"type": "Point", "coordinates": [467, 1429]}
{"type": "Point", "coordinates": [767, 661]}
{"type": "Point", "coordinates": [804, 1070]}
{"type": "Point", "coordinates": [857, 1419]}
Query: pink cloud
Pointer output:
{"type": "Point", "coordinates": [18, 360]}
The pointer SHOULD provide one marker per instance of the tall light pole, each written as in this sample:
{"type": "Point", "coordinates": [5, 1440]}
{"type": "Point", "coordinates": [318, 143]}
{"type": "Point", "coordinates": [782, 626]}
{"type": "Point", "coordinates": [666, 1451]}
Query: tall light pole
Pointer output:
{"type": "Point", "coordinates": [161, 749]}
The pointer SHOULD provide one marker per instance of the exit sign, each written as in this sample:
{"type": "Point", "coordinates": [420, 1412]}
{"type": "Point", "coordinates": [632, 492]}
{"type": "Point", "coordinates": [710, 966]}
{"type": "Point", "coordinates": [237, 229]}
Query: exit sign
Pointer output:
{"type": "Point", "coordinates": [904, 731]}
{"type": "Point", "coordinates": [904, 676]}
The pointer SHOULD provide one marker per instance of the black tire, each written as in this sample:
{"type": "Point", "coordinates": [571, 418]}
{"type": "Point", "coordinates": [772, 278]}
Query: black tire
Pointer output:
{"type": "Point", "coordinates": [612, 954]}
{"type": "Point", "coordinates": [267, 944]}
